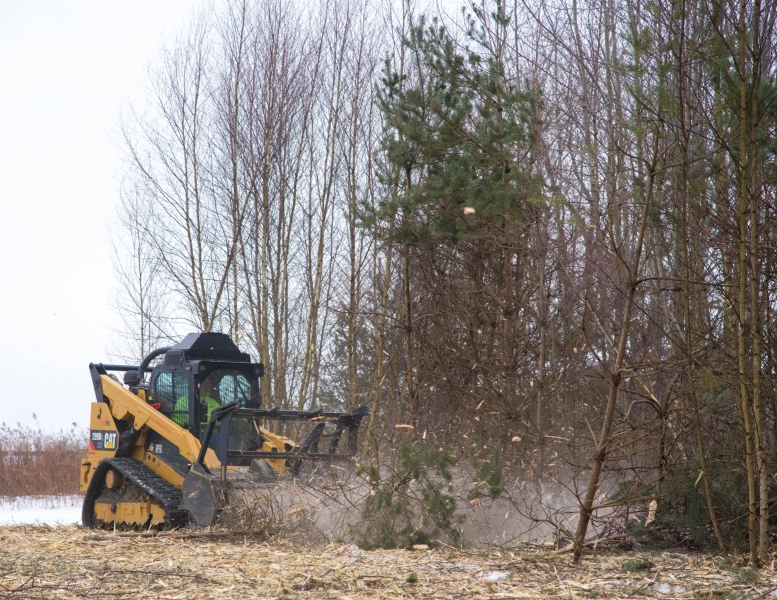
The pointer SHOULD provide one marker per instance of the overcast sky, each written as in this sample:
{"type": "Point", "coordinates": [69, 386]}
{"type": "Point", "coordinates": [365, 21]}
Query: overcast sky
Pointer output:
{"type": "Point", "coordinates": [66, 69]}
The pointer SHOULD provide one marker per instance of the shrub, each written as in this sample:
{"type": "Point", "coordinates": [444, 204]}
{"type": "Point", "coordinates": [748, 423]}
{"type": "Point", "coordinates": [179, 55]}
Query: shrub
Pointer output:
{"type": "Point", "coordinates": [489, 479]}
{"type": "Point", "coordinates": [683, 515]}
{"type": "Point", "coordinates": [638, 563]}
{"type": "Point", "coordinates": [411, 501]}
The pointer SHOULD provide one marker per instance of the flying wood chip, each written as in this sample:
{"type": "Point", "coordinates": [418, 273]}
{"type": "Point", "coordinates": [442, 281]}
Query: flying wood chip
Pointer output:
{"type": "Point", "coordinates": [651, 512]}
{"type": "Point", "coordinates": [403, 427]}
{"type": "Point", "coordinates": [468, 210]}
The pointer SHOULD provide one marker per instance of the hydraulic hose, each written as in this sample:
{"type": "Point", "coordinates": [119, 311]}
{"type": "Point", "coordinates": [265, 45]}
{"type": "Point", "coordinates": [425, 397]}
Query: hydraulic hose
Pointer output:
{"type": "Point", "coordinates": [147, 361]}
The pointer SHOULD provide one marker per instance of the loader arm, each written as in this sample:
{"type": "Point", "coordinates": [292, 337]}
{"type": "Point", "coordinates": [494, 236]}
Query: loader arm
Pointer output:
{"type": "Point", "coordinates": [125, 405]}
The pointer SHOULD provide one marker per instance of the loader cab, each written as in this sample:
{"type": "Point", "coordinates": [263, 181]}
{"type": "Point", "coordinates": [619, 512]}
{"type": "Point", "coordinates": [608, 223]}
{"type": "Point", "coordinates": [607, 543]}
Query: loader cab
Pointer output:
{"type": "Point", "coordinates": [202, 373]}
{"type": "Point", "coordinates": [189, 399]}
{"type": "Point", "coordinates": [222, 384]}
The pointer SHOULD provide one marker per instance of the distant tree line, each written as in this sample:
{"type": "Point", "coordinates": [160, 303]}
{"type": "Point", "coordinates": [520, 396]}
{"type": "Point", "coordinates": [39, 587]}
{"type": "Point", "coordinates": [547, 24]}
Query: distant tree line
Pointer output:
{"type": "Point", "coordinates": [545, 220]}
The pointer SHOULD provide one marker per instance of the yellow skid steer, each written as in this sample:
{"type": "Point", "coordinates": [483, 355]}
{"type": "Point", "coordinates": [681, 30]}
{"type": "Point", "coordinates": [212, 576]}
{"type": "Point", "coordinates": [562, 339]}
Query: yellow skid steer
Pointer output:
{"type": "Point", "coordinates": [171, 451]}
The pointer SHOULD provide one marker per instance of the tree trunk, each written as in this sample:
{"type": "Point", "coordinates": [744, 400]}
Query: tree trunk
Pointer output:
{"type": "Point", "coordinates": [742, 207]}
{"type": "Point", "coordinates": [616, 373]}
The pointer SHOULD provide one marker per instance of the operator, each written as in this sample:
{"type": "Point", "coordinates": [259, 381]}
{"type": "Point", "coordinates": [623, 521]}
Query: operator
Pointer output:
{"type": "Point", "coordinates": [181, 410]}
{"type": "Point", "coordinates": [206, 388]}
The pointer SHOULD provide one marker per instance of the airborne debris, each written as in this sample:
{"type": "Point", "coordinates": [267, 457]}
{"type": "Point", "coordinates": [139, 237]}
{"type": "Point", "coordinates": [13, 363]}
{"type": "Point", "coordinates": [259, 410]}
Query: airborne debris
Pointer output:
{"type": "Point", "coordinates": [651, 512]}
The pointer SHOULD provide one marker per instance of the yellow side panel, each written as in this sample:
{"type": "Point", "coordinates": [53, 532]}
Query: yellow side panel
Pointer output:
{"type": "Point", "coordinates": [103, 441]}
{"type": "Point", "coordinates": [103, 434]}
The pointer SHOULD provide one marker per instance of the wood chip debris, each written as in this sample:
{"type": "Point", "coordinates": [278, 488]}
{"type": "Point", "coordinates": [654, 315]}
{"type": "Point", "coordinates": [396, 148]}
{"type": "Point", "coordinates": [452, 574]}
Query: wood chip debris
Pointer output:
{"type": "Point", "coordinates": [73, 562]}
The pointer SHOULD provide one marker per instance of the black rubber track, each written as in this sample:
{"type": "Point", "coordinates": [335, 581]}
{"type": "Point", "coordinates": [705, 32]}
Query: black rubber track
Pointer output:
{"type": "Point", "coordinates": [135, 471]}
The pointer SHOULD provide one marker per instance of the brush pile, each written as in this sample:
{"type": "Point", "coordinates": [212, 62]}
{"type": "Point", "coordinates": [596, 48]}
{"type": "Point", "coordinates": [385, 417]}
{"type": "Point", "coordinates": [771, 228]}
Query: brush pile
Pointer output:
{"type": "Point", "coordinates": [72, 562]}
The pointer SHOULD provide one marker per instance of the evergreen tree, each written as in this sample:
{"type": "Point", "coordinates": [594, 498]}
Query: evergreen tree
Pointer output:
{"type": "Point", "coordinates": [460, 134]}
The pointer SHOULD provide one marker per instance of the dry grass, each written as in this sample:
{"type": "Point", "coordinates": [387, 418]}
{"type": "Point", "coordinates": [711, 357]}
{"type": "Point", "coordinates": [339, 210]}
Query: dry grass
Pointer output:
{"type": "Point", "coordinates": [38, 463]}
{"type": "Point", "coordinates": [71, 562]}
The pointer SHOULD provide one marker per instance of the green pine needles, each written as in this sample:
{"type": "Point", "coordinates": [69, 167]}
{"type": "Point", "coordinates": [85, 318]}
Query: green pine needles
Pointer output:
{"type": "Point", "coordinates": [412, 501]}
{"type": "Point", "coordinates": [460, 133]}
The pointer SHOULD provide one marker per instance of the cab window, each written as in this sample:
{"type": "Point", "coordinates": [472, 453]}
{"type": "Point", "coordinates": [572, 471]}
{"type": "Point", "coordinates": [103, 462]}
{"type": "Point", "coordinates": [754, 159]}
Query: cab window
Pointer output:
{"type": "Point", "coordinates": [171, 390]}
{"type": "Point", "coordinates": [226, 386]}
{"type": "Point", "coordinates": [221, 387]}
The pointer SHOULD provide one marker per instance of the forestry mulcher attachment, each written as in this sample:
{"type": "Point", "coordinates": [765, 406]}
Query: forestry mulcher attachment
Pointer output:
{"type": "Point", "coordinates": [174, 450]}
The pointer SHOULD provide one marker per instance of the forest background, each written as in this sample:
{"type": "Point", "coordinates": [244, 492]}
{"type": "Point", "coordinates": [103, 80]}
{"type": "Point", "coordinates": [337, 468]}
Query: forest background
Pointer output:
{"type": "Point", "coordinates": [540, 227]}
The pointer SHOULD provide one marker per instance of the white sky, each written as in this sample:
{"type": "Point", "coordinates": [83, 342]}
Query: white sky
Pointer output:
{"type": "Point", "coordinates": [66, 69]}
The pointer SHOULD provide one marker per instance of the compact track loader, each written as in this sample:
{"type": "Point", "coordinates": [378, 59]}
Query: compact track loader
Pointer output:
{"type": "Point", "coordinates": [174, 450]}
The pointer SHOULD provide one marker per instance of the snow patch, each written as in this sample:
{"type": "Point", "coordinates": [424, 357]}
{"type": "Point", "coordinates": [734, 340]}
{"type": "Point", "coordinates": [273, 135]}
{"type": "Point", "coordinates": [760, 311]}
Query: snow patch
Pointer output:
{"type": "Point", "coordinates": [41, 510]}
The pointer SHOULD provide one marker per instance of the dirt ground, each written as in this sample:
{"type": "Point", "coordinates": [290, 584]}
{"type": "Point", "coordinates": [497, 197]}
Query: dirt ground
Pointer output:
{"type": "Point", "coordinates": [72, 562]}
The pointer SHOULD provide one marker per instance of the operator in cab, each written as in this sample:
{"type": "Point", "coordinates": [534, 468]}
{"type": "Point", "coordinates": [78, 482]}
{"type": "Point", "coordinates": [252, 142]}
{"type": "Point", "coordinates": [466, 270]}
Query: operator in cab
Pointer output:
{"type": "Point", "coordinates": [181, 410]}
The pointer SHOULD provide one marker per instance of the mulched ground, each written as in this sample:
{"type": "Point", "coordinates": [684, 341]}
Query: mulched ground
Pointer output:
{"type": "Point", "coordinates": [72, 562]}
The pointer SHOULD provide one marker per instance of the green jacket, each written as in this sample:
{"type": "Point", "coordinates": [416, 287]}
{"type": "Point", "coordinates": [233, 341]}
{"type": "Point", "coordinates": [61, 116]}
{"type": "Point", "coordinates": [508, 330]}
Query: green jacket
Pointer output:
{"type": "Point", "coordinates": [181, 410]}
